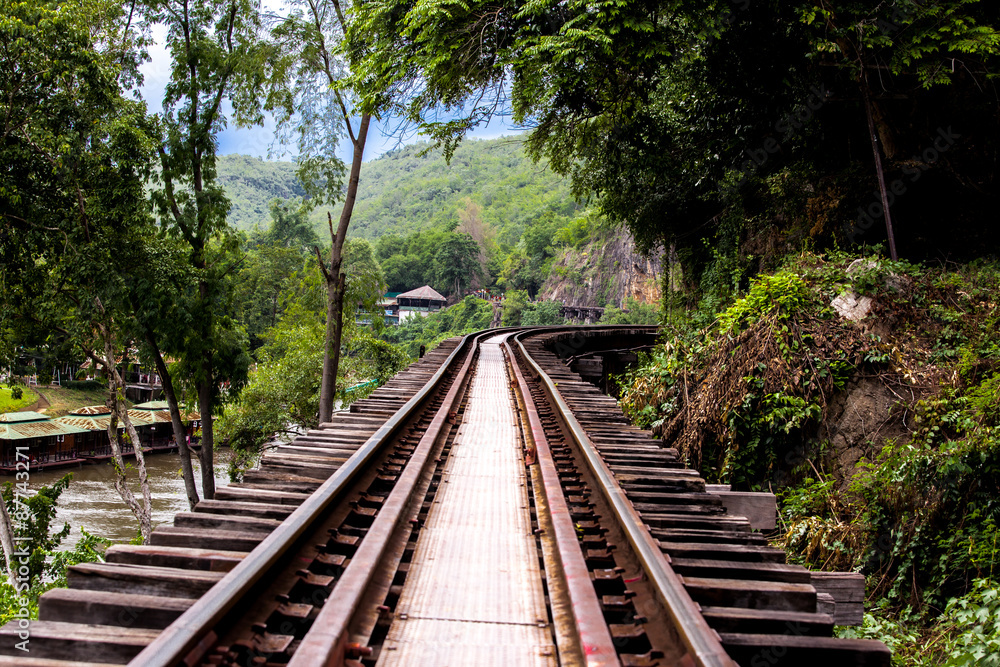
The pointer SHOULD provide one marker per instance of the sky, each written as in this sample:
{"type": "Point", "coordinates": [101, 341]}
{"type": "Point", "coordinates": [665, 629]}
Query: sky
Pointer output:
{"type": "Point", "coordinates": [259, 141]}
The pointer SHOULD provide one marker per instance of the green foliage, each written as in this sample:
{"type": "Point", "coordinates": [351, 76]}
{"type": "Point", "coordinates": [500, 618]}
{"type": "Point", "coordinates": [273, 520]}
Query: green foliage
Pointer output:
{"type": "Point", "coordinates": [411, 189]}
{"type": "Point", "coordinates": [634, 312]}
{"type": "Point", "coordinates": [32, 517]}
{"type": "Point", "coordinates": [515, 302]}
{"type": "Point", "coordinates": [251, 184]}
{"type": "Point", "coordinates": [966, 634]}
{"type": "Point", "coordinates": [468, 315]}
{"type": "Point", "coordinates": [542, 313]}
{"type": "Point", "coordinates": [84, 385]}
{"type": "Point", "coordinates": [682, 119]}
{"type": "Point", "coordinates": [89, 549]}
{"type": "Point", "coordinates": [375, 358]}
{"type": "Point", "coordinates": [282, 393]}
{"type": "Point", "coordinates": [974, 622]}
{"type": "Point", "coordinates": [783, 293]}
{"type": "Point", "coordinates": [456, 262]}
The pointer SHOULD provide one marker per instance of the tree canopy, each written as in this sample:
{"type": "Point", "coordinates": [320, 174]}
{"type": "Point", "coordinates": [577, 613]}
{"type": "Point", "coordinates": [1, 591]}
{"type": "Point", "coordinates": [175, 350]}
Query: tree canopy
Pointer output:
{"type": "Point", "coordinates": [675, 114]}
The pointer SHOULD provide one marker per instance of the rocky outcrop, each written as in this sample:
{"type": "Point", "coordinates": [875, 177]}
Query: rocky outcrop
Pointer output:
{"type": "Point", "coordinates": [607, 270]}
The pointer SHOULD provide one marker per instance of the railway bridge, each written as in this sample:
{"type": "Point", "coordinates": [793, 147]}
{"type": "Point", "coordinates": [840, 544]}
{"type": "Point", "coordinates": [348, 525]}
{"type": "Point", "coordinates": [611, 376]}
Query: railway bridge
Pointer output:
{"type": "Point", "coordinates": [489, 505]}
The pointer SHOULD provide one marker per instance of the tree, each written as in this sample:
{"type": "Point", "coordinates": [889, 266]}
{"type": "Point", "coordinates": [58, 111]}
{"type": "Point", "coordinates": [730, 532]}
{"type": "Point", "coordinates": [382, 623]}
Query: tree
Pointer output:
{"type": "Point", "coordinates": [542, 313]}
{"type": "Point", "coordinates": [316, 103]}
{"type": "Point", "coordinates": [282, 395]}
{"type": "Point", "coordinates": [403, 272]}
{"type": "Point", "coordinates": [456, 262]}
{"type": "Point", "coordinates": [218, 56]}
{"type": "Point", "coordinates": [470, 222]}
{"type": "Point", "coordinates": [119, 413]}
{"type": "Point", "coordinates": [79, 198]}
{"type": "Point", "coordinates": [634, 312]}
{"type": "Point", "coordinates": [271, 257]}
{"type": "Point", "coordinates": [35, 514]}
{"type": "Point", "coordinates": [290, 227]}
{"type": "Point", "coordinates": [515, 303]}
{"type": "Point", "coordinates": [675, 115]}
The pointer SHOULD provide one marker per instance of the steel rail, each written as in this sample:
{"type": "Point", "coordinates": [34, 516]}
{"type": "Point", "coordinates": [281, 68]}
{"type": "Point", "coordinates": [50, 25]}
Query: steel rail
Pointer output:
{"type": "Point", "coordinates": [701, 641]}
{"type": "Point", "coordinates": [326, 642]}
{"type": "Point", "coordinates": [193, 631]}
{"type": "Point", "coordinates": [595, 642]}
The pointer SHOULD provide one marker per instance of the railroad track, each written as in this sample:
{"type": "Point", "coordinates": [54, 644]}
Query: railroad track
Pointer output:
{"type": "Point", "coordinates": [308, 560]}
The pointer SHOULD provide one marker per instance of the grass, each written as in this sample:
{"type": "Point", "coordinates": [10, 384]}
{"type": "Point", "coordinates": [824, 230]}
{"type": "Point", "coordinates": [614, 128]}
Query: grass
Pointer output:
{"type": "Point", "coordinates": [8, 404]}
{"type": "Point", "coordinates": [63, 401]}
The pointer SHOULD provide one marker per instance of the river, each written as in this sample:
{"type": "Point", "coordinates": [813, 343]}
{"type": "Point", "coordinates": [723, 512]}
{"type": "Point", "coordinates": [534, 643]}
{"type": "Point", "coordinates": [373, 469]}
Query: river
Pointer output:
{"type": "Point", "coordinates": [92, 502]}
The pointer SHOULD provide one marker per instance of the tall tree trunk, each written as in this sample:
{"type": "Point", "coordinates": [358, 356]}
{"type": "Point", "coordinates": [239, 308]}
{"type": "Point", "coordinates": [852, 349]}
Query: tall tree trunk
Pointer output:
{"type": "Point", "coordinates": [206, 388]}
{"type": "Point", "coordinates": [335, 281]}
{"type": "Point", "coordinates": [176, 421]}
{"type": "Point", "coordinates": [207, 452]}
{"type": "Point", "coordinates": [866, 93]}
{"type": "Point", "coordinates": [116, 403]}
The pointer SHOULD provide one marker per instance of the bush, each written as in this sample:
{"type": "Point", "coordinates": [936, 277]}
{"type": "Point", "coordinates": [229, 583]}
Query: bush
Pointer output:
{"type": "Point", "coordinates": [16, 393]}
{"type": "Point", "coordinates": [541, 313]}
{"type": "Point", "coordinates": [967, 634]}
{"type": "Point", "coordinates": [83, 385]}
{"type": "Point", "coordinates": [634, 312]}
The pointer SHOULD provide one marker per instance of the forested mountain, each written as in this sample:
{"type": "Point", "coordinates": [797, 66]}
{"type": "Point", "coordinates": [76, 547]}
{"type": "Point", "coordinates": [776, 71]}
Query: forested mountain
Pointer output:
{"type": "Point", "coordinates": [489, 216]}
{"type": "Point", "coordinates": [251, 184]}
{"type": "Point", "coordinates": [407, 190]}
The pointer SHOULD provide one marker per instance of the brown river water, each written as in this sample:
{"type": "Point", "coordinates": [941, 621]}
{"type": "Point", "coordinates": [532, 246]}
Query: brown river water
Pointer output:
{"type": "Point", "coordinates": [92, 502]}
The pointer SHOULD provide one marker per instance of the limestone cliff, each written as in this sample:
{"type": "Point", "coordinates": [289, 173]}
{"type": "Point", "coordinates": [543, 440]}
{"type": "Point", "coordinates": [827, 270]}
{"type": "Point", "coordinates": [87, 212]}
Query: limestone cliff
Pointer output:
{"type": "Point", "coordinates": [605, 270]}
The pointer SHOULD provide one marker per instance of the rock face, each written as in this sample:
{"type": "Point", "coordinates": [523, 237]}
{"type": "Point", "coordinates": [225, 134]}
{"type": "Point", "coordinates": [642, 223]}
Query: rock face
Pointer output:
{"type": "Point", "coordinates": [851, 306]}
{"type": "Point", "coordinates": [607, 270]}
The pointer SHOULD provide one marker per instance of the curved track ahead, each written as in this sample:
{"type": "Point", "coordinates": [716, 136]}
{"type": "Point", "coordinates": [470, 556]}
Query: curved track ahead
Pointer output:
{"type": "Point", "coordinates": [305, 562]}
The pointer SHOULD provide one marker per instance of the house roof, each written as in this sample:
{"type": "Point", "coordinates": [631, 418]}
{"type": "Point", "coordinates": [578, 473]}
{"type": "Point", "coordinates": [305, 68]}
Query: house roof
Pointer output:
{"type": "Point", "coordinates": [425, 292]}
{"type": "Point", "coordinates": [36, 429]}
{"type": "Point", "coordinates": [151, 405]}
{"type": "Point", "coordinates": [159, 411]}
{"type": "Point", "coordinates": [17, 417]}
{"type": "Point", "coordinates": [91, 410]}
{"type": "Point", "coordinates": [151, 416]}
{"type": "Point", "coordinates": [96, 423]}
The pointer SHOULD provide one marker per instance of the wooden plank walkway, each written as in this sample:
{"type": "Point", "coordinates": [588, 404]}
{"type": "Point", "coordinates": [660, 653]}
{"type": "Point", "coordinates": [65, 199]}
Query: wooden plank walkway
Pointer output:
{"type": "Point", "coordinates": [477, 538]}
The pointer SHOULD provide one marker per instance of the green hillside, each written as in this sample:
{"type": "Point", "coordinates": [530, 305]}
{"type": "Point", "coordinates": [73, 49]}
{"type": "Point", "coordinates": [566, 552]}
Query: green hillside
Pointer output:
{"type": "Point", "coordinates": [251, 183]}
{"type": "Point", "coordinates": [403, 191]}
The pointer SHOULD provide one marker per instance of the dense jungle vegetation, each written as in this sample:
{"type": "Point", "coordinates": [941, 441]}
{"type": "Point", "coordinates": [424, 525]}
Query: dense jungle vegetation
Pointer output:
{"type": "Point", "coordinates": [763, 147]}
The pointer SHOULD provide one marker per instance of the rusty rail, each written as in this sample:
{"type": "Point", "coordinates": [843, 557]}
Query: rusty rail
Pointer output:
{"type": "Point", "coordinates": [194, 631]}
{"type": "Point", "coordinates": [596, 644]}
{"type": "Point", "coordinates": [701, 641]}
{"type": "Point", "coordinates": [326, 641]}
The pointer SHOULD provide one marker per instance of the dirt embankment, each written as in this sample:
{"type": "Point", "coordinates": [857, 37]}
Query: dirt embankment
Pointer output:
{"type": "Point", "coordinates": [41, 405]}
